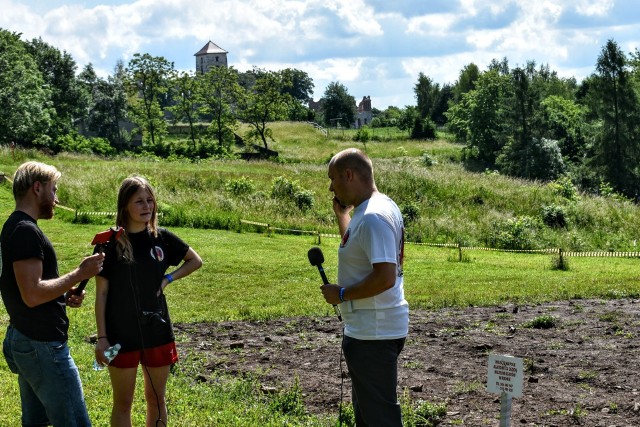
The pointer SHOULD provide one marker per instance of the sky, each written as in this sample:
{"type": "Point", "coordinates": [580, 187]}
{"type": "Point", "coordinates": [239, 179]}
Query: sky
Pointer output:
{"type": "Point", "coordinates": [375, 48]}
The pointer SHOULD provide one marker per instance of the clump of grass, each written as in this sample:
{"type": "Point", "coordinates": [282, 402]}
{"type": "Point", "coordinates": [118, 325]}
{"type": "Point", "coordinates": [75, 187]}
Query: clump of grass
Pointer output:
{"type": "Point", "coordinates": [541, 322]}
{"type": "Point", "coordinates": [288, 401]}
{"type": "Point", "coordinates": [560, 262]}
{"type": "Point", "coordinates": [421, 413]}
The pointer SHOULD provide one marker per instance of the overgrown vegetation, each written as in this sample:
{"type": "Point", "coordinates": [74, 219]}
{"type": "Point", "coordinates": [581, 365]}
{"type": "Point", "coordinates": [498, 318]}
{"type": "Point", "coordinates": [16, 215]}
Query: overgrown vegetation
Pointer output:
{"type": "Point", "coordinates": [442, 203]}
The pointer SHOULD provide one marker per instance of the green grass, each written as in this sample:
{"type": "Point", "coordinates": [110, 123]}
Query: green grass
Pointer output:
{"type": "Point", "coordinates": [253, 276]}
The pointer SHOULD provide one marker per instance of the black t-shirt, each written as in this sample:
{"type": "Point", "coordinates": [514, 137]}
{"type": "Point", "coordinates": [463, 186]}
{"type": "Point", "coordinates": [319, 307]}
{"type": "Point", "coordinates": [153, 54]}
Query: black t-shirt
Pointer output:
{"type": "Point", "coordinates": [21, 239]}
{"type": "Point", "coordinates": [135, 316]}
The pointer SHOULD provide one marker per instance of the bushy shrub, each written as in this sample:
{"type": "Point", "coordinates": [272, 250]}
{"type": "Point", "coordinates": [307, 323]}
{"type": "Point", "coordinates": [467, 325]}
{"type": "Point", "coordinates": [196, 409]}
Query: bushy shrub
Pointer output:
{"type": "Point", "coordinates": [428, 159]}
{"type": "Point", "coordinates": [423, 129]}
{"type": "Point", "coordinates": [79, 144]}
{"type": "Point", "coordinates": [564, 187]}
{"type": "Point", "coordinates": [554, 216]}
{"type": "Point", "coordinates": [240, 187]}
{"type": "Point", "coordinates": [282, 188]}
{"type": "Point", "coordinates": [304, 200]}
{"type": "Point", "coordinates": [410, 212]}
{"type": "Point", "coordinates": [516, 234]}
{"type": "Point", "coordinates": [291, 191]}
{"type": "Point", "coordinates": [362, 135]}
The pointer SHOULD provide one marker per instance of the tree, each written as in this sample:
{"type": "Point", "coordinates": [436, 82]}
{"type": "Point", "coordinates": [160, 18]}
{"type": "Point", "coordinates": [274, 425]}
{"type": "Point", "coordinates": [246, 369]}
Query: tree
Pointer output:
{"type": "Point", "coordinates": [147, 85]}
{"type": "Point", "coordinates": [408, 118]}
{"type": "Point", "coordinates": [220, 94]}
{"type": "Point", "coordinates": [614, 102]}
{"type": "Point", "coordinates": [301, 88]}
{"type": "Point", "coordinates": [25, 100]}
{"type": "Point", "coordinates": [339, 107]}
{"type": "Point", "coordinates": [108, 103]}
{"type": "Point", "coordinates": [266, 101]}
{"type": "Point", "coordinates": [187, 98]}
{"type": "Point", "coordinates": [426, 93]}
{"type": "Point", "coordinates": [564, 121]}
{"type": "Point", "coordinates": [466, 81]}
{"type": "Point", "coordinates": [441, 105]}
{"type": "Point", "coordinates": [68, 97]}
{"type": "Point", "coordinates": [485, 117]}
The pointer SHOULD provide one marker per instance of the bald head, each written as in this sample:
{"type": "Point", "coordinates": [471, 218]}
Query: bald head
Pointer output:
{"type": "Point", "coordinates": [356, 161]}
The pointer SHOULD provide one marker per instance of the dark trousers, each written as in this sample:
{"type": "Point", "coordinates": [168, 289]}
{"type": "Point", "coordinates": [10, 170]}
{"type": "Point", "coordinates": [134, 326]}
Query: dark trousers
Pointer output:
{"type": "Point", "coordinates": [373, 367]}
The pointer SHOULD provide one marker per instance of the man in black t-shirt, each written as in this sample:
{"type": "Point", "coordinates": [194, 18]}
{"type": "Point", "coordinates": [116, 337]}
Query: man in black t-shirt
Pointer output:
{"type": "Point", "coordinates": [36, 297]}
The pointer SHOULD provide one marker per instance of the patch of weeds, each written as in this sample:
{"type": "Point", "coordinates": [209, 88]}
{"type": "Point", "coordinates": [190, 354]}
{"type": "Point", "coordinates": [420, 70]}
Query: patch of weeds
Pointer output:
{"type": "Point", "coordinates": [613, 408]}
{"type": "Point", "coordinates": [577, 413]}
{"type": "Point", "coordinates": [490, 326]}
{"type": "Point", "coordinates": [578, 308]}
{"type": "Point", "coordinates": [288, 401]}
{"type": "Point", "coordinates": [611, 316]}
{"type": "Point", "coordinates": [560, 263]}
{"type": "Point", "coordinates": [587, 376]}
{"type": "Point", "coordinates": [414, 365]}
{"type": "Point", "coordinates": [504, 316]}
{"type": "Point", "coordinates": [459, 256]}
{"type": "Point", "coordinates": [541, 322]}
{"type": "Point", "coordinates": [421, 413]}
{"type": "Point", "coordinates": [347, 418]}
{"type": "Point", "coordinates": [462, 387]}
{"type": "Point", "coordinates": [624, 334]}
{"type": "Point", "coordinates": [556, 345]}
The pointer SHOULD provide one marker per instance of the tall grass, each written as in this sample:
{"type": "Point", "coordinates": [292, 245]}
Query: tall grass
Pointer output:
{"type": "Point", "coordinates": [446, 202]}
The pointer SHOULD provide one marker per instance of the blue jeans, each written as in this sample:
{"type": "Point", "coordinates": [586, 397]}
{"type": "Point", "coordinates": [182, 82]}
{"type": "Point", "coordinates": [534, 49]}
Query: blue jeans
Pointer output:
{"type": "Point", "coordinates": [373, 367]}
{"type": "Point", "coordinates": [50, 388]}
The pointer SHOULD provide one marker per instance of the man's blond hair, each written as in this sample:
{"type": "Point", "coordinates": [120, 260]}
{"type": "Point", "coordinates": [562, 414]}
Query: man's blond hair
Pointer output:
{"type": "Point", "coordinates": [31, 172]}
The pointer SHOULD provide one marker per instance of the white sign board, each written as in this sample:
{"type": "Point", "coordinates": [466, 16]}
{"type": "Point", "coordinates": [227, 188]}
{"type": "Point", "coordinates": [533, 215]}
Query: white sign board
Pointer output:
{"type": "Point", "coordinates": [505, 375]}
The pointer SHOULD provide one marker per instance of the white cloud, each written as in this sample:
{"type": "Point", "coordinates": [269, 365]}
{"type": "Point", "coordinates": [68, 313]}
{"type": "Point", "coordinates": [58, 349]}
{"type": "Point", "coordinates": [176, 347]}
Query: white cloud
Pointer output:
{"type": "Point", "coordinates": [594, 7]}
{"type": "Point", "coordinates": [358, 16]}
{"type": "Point", "coordinates": [436, 24]}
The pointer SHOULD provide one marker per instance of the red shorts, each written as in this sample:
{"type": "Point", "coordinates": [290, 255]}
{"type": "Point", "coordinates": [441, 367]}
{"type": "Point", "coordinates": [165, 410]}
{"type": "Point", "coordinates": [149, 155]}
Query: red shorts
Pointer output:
{"type": "Point", "coordinates": [154, 357]}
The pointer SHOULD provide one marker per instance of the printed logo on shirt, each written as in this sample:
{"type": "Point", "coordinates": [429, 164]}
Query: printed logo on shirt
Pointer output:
{"type": "Point", "coordinates": [345, 238]}
{"type": "Point", "coordinates": [157, 253]}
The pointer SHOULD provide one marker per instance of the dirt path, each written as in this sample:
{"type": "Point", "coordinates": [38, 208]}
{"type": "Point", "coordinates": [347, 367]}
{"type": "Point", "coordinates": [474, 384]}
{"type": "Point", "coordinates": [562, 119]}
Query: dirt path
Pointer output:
{"type": "Point", "coordinates": [583, 371]}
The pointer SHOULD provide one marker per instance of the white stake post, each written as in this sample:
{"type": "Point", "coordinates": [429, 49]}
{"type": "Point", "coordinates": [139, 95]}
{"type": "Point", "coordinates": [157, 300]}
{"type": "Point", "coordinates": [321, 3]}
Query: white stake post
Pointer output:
{"type": "Point", "coordinates": [505, 375]}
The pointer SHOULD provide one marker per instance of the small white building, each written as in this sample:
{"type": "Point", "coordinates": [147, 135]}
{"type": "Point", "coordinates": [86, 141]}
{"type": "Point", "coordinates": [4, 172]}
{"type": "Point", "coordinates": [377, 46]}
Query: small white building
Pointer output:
{"type": "Point", "coordinates": [211, 55]}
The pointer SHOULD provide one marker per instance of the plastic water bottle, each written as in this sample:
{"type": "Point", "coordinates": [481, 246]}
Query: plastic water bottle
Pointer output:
{"type": "Point", "coordinates": [110, 353]}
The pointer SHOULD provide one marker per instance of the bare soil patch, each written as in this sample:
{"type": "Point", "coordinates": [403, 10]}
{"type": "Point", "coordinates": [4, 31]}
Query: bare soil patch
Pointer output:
{"type": "Point", "coordinates": [583, 371]}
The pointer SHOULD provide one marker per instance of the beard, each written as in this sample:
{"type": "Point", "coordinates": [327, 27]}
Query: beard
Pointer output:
{"type": "Point", "coordinates": [45, 209]}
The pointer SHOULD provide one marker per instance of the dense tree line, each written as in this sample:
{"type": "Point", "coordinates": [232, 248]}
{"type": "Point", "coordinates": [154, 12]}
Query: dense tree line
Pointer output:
{"type": "Point", "coordinates": [524, 121]}
{"type": "Point", "coordinates": [47, 105]}
{"type": "Point", "coordinates": [528, 122]}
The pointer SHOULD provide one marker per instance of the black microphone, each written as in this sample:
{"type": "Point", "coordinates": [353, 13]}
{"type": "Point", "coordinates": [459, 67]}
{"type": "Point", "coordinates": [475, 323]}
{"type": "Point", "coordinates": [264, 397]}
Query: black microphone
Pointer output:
{"type": "Point", "coordinates": [316, 258]}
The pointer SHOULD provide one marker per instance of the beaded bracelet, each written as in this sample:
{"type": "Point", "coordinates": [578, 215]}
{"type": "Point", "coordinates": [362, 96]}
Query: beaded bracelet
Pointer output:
{"type": "Point", "coordinates": [169, 277]}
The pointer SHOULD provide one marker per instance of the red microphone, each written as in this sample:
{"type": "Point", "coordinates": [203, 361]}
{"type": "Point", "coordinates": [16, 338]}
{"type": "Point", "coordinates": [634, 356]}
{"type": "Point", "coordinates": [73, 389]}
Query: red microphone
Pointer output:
{"type": "Point", "coordinates": [101, 241]}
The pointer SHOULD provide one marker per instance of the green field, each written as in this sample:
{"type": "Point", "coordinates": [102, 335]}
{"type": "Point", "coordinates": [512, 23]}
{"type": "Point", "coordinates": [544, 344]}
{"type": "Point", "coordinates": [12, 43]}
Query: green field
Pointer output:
{"type": "Point", "coordinates": [249, 275]}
